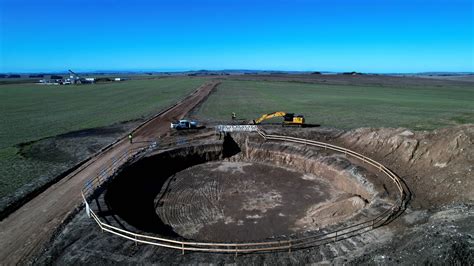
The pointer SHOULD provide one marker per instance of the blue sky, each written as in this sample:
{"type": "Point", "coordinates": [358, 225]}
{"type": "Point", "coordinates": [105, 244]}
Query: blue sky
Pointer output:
{"type": "Point", "coordinates": [332, 35]}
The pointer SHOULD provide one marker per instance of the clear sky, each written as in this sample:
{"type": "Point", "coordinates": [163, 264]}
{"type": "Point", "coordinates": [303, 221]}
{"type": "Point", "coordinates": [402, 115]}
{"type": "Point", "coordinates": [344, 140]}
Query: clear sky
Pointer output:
{"type": "Point", "coordinates": [331, 35]}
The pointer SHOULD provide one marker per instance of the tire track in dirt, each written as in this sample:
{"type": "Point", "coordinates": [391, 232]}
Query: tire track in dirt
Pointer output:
{"type": "Point", "coordinates": [24, 232]}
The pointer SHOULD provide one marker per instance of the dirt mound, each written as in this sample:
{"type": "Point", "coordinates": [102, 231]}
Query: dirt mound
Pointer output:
{"type": "Point", "coordinates": [437, 166]}
{"type": "Point", "coordinates": [321, 215]}
{"type": "Point", "coordinates": [442, 238]}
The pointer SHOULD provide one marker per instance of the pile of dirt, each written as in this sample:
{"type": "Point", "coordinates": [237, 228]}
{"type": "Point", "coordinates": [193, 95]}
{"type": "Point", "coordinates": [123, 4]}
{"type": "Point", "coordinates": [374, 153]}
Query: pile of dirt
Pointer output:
{"type": "Point", "coordinates": [442, 237]}
{"type": "Point", "coordinates": [321, 215]}
{"type": "Point", "coordinates": [438, 166]}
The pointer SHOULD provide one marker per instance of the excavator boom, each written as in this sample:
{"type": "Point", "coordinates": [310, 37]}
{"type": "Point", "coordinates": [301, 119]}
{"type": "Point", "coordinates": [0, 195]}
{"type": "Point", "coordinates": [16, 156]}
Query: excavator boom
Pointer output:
{"type": "Point", "coordinates": [269, 116]}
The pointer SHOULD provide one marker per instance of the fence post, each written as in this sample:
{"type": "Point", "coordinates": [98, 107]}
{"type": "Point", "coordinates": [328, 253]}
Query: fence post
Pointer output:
{"type": "Point", "coordinates": [335, 239]}
{"type": "Point", "coordinates": [136, 243]}
{"type": "Point", "coordinates": [236, 247]}
{"type": "Point", "coordinates": [289, 248]}
{"type": "Point", "coordinates": [182, 247]}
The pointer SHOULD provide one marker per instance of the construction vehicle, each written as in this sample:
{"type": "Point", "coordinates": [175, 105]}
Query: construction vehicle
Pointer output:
{"type": "Point", "coordinates": [184, 124]}
{"type": "Point", "coordinates": [289, 119]}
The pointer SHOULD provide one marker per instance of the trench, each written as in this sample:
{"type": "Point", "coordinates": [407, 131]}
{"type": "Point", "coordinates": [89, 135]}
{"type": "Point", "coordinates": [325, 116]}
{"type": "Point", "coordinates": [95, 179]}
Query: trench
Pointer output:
{"type": "Point", "coordinates": [239, 190]}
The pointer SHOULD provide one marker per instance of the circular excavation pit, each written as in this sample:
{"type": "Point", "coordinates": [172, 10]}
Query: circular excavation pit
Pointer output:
{"type": "Point", "coordinates": [242, 201]}
{"type": "Point", "coordinates": [242, 189]}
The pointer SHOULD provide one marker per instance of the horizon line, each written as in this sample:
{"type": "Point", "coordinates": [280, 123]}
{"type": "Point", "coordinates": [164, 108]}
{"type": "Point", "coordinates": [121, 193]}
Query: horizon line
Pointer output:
{"type": "Point", "coordinates": [183, 70]}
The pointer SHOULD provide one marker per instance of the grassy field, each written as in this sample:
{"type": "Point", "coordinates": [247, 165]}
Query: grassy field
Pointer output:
{"type": "Point", "coordinates": [29, 112]}
{"type": "Point", "coordinates": [340, 106]}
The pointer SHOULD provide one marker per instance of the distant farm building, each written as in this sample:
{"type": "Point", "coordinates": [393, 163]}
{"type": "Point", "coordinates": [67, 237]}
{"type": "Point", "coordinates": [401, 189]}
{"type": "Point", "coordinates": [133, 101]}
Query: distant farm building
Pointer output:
{"type": "Point", "coordinates": [72, 79]}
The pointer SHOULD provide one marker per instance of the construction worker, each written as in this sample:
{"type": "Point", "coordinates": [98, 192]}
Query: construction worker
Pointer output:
{"type": "Point", "coordinates": [234, 116]}
{"type": "Point", "coordinates": [130, 138]}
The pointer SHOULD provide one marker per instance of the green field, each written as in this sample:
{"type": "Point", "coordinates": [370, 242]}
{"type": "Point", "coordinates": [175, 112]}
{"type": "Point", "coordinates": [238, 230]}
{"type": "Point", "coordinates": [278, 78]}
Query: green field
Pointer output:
{"type": "Point", "coordinates": [341, 106]}
{"type": "Point", "coordinates": [29, 112]}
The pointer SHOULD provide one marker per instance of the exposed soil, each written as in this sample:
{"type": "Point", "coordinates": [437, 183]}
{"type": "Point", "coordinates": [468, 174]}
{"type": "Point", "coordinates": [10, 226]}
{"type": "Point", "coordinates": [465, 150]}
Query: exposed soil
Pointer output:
{"type": "Point", "coordinates": [72, 145]}
{"type": "Point", "coordinates": [240, 201]}
{"type": "Point", "coordinates": [243, 198]}
{"type": "Point", "coordinates": [436, 228]}
{"type": "Point", "coordinates": [441, 237]}
{"type": "Point", "coordinates": [438, 166]}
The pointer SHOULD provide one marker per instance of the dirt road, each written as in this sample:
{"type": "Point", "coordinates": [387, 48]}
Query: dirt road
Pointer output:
{"type": "Point", "coordinates": [25, 231]}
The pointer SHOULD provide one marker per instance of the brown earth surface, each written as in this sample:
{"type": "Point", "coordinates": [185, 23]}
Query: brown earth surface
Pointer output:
{"type": "Point", "coordinates": [24, 232]}
{"type": "Point", "coordinates": [437, 166]}
{"type": "Point", "coordinates": [177, 192]}
{"type": "Point", "coordinates": [241, 201]}
{"type": "Point", "coordinates": [436, 227]}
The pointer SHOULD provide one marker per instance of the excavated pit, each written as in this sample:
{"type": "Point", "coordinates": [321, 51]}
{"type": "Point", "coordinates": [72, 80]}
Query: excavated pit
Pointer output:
{"type": "Point", "coordinates": [242, 189]}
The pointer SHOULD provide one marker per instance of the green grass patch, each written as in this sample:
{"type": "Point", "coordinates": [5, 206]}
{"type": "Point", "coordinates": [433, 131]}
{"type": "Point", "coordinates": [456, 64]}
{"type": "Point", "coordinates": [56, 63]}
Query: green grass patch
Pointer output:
{"type": "Point", "coordinates": [30, 112]}
{"type": "Point", "coordinates": [346, 107]}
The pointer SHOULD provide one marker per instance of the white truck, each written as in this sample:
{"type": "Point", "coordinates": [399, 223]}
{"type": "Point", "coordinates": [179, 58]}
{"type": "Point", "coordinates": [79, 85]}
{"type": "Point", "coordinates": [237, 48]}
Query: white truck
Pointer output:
{"type": "Point", "coordinates": [184, 124]}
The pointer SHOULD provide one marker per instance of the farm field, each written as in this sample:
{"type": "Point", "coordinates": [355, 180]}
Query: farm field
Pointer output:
{"type": "Point", "coordinates": [415, 106]}
{"type": "Point", "coordinates": [34, 120]}
{"type": "Point", "coordinates": [425, 157]}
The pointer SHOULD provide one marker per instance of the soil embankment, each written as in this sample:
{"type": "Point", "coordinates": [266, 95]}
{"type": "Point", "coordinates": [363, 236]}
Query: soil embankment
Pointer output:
{"type": "Point", "coordinates": [438, 166]}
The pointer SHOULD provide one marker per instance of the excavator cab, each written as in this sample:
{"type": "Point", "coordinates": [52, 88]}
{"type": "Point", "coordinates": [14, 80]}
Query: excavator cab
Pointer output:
{"type": "Point", "coordinates": [299, 119]}
{"type": "Point", "coordinates": [292, 119]}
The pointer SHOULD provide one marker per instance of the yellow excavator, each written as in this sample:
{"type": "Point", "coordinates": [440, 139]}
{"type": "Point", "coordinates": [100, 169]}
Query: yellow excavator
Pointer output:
{"type": "Point", "coordinates": [289, 119]}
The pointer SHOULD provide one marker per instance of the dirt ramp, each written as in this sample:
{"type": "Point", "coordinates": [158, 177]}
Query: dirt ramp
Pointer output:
{"type": "Point", "coordinates": [321, 215]}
